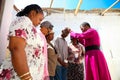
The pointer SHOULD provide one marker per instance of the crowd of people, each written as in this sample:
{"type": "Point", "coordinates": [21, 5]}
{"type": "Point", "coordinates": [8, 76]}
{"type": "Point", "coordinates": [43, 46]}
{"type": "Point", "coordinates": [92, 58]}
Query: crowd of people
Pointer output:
{"type": "Point", "coordinates": [33, 55]}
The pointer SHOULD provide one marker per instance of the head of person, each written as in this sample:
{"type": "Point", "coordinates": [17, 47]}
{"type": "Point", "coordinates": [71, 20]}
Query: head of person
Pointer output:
{"type": "Point", "coordinates": [85, 26]}
{"type": "Point", "coordinates": [46, 27]}
{"type": "Point", "coordinates": [65, 32]}
{"type": "Point", "coordinates": [74, 40]}
{"type": "Point", "coordinates": [50, 36]}
{"type": "Point", "coordinates": [33, 12]}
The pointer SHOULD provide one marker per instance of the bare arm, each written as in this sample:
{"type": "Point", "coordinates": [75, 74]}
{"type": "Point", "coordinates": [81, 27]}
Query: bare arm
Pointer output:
{"type": "Point", "coordinates": [18, 55]}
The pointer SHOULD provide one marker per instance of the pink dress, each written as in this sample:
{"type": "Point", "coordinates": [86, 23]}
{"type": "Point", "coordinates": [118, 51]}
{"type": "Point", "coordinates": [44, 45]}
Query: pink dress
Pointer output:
{"type": "Point", "coordinates": [95, 64]}
{"type": "Point", "coordinates": [46, 74]}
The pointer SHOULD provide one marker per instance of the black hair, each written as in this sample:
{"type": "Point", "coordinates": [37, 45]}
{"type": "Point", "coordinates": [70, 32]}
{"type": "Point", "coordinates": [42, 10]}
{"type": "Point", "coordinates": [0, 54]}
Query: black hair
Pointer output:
{"type": "Point", "coordinates": [85, 24]}
{"type": "Point", "coordinates": [29, 8]}
{"type": "Point", "coordinates": [71, 38]}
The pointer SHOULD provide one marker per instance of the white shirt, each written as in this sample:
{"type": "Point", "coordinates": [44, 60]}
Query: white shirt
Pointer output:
{"type": "Point", "coordinates": [61, 48]}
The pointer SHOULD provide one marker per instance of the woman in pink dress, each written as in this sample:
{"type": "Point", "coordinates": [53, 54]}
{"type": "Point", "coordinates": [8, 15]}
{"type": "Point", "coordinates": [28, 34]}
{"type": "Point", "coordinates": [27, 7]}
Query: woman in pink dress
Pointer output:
{"type": "Point", "coordinates": [95, 63]}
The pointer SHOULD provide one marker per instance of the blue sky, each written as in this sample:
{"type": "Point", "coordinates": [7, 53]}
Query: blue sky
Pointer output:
{"type": "Point", "coordinates": [90, 4]}
{"type": "Point", "coordinates": [69, 4]}
{"type": "Point", "coordinates": [86, 4]}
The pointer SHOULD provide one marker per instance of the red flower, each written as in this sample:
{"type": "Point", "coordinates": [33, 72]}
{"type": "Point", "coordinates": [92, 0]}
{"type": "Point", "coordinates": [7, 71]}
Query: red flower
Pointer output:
{"type": "Point", "coordinates": [6, 74]}
{"type": "Point", "coordinates": [34, 30]}
{"type": "Point", "coordinates": [20, 33]}
{"type": "Point", "coordinates": [36, 52]}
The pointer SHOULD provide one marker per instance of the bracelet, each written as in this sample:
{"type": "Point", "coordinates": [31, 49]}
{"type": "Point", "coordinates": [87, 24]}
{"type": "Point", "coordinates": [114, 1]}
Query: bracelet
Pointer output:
{"type": "Point", "coordinates": [30, 79]}
{"type": "Point", "coordinates": [27, 78]}
{"type": "Point", "coordinates": [24, 74]}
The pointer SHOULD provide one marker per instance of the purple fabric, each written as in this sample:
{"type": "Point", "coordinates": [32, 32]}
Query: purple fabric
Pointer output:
{"type": "Point", "coordinates": [95, 63]}
{"type": "Point", "coordinates": [91, 37]}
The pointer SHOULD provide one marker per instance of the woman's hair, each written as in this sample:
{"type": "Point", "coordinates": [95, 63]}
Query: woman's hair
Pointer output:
{"type": "Point", "coordinates": [47, 24]}
{"type": "Point", "coordinates": [72, 38]}
{"type": "Point", "coordinates": [85, 24]}
{"type": "Point", "coordinates": [29, 8]}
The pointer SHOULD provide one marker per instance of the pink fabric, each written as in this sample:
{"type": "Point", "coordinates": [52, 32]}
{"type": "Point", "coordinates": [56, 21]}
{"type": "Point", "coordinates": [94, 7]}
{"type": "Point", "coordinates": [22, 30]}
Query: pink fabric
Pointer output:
{"type": "Point", "coordinates": [95, 63]}
{"type": "Point", "coordinates": [46, 74]}
{"type": "Point", "coordinates": [91, 37]}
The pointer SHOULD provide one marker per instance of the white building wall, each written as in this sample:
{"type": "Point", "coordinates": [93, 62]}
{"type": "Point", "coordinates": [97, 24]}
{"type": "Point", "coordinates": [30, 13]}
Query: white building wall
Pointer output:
{"type": "Point", "coordinates": [108, 27]}
{"type": "Point", "coordinates": [5, 22]}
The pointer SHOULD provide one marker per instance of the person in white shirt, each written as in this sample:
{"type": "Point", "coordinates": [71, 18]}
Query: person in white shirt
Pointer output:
{"type": "Point", "coordinates": [62, 50]}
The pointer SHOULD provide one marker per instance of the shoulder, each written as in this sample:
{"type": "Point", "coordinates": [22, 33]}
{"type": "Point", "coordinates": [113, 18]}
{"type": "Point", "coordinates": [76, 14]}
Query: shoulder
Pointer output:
{"type": "Point", "coordinates": [57, 38]}
{"type": "Point", "coordinates": [21, 26]}
{"type": "Point", "coordinates": [91, 30]}
{"type": "Point", "coordinates": [20, 21]}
